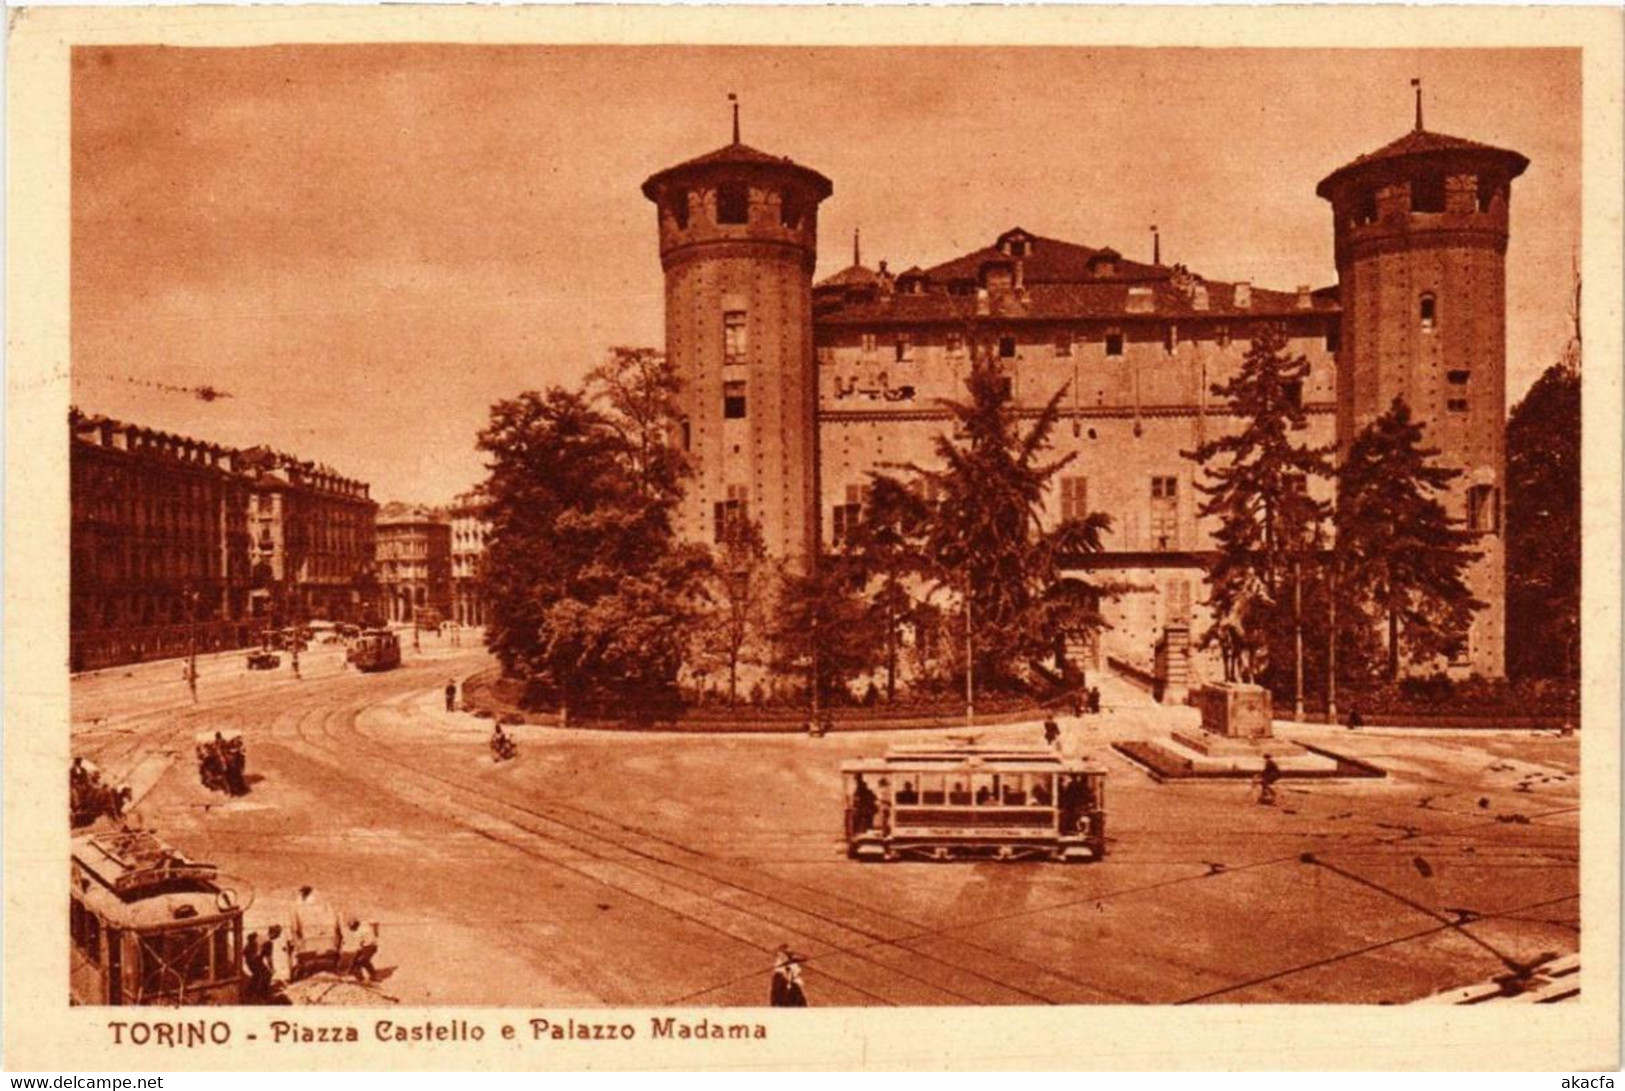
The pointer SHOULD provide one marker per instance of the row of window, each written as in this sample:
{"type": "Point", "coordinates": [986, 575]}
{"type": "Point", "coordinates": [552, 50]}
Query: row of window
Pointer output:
{"type": "Point", "coordinates": [1427, 194]}
{"type": "Point", "coordinates": [733, 206]}
{"type": "Point", "coordinates": [1483, 510]}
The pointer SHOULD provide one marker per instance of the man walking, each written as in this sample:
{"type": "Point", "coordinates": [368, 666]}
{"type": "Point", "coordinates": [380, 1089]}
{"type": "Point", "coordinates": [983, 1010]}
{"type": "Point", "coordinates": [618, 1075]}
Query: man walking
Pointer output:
{"type": "Point", "coordinates": [451, 695]}
{"type": "Point", "coordinates": [1266, 781]}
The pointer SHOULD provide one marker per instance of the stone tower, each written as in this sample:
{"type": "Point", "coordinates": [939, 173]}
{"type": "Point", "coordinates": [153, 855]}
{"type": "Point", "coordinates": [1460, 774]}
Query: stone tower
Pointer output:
{"type": "Point", "coordinates": [1421, 230]}
{"type": "Point", "coordinates": [738, 242]}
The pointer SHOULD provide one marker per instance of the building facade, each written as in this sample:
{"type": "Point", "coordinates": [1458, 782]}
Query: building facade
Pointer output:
{"type": "Point", "coordinates": [1136, 348]}
{"type": "Point", "coordinates": [311, 540]}
{"type": "Point", "coordinates": [469, 531]}
{"type": "Point", "coordinates": [414, 567]}
{"type": "Point", "coordinates": [166, 554]}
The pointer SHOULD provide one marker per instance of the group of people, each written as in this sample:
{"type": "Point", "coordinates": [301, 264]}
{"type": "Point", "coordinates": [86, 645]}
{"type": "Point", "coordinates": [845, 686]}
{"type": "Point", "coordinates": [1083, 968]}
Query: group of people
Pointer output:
{"type": "Point", "coordinates": [503, 748]}
{"type": "Point", "coordinates": [222, 764]}
{"type": "Point", "coordinates": [315, 939]}
{"type": "Point", "coordinates": [90, 796]}
{"type": "Point", "coordinates": [1086, 701]}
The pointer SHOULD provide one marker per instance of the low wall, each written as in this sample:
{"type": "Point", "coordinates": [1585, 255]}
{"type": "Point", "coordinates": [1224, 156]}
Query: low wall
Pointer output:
{"type": "Point", "coordinates": [480, 696]}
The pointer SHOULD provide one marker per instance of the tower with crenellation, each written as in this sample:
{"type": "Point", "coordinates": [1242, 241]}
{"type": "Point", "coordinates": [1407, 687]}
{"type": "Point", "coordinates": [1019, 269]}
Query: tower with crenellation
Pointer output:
{"type": "Point", "coordinates": [738, 243]}
{"type": "Point", "coordinates": [1421, 229]}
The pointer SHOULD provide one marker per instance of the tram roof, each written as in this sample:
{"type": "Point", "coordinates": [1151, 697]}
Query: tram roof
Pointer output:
{"type": "Point", "coordinates": [973, 757]}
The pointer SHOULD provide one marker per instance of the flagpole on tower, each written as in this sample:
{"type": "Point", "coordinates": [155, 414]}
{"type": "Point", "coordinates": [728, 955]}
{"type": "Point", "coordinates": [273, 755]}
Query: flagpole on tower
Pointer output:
{"type": "Point", "coordinates": [733, 98]}
{"type": "Point", "coordinates": [1417, 83]}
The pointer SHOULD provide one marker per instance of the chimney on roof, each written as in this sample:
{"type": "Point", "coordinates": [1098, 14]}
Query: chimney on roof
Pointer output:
{"type": "Point", "coordinates": [1306, 301]}
{"type": "Point", "coordinates": [1244, 295]}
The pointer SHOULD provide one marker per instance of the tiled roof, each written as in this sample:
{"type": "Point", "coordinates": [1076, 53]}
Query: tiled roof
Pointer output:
{"type": "Point", "coordinates": [1060, 286]}
{"type": "Point", "coordinates": [1046, 260]}
{"type": "Point", "coordinates": [734, 155]}
{"type": "Point", "coordinates": [1422, 142]}
{"type": "Point", "coordinates": [859, 275]}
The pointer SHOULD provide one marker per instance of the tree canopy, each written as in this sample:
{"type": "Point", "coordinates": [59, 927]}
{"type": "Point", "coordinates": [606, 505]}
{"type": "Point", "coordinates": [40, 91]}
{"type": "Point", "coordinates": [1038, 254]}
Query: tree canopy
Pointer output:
{"type": "Point", "coordinates": [1402, 559]}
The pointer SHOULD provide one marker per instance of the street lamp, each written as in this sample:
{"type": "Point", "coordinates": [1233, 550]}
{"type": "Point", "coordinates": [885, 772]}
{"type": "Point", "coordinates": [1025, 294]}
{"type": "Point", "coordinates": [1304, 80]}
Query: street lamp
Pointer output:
{"type": "Point", "coordinates": [191, 654]}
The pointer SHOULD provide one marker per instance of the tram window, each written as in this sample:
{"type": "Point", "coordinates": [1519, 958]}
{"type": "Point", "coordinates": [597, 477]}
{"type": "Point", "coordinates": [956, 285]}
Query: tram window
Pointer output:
{"type": "Point", "coordinates": [906, 794]}
{"type": "Point", "coordinates": [959, 795]}
{"type": "Point", "coordinates": [931, 788]}
{"type": "Point", "coordinates": [1042, 795]}
{"type": "Point", "coordinates": [1015, 790]}
{"type": "Point", "coordinates": [984, 788]}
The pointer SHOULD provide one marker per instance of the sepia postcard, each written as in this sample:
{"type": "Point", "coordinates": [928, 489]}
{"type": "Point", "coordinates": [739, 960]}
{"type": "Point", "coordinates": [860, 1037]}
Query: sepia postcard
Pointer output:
{"type": "Point", "coordinates": [1076, 537]}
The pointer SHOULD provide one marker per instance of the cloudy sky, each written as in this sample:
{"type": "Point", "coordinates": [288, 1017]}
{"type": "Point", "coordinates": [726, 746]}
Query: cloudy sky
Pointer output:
{"type": "Point", "coordinates": [365, 246]}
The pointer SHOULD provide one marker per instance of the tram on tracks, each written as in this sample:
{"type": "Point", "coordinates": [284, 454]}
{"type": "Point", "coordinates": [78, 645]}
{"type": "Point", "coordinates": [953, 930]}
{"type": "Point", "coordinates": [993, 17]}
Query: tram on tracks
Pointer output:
{"type": "Point", "coordinates": [150, 926]}
{"type": "Point", "coordinates": [375, 650]}
{"type": "Point", "coordinates": [960, 800]}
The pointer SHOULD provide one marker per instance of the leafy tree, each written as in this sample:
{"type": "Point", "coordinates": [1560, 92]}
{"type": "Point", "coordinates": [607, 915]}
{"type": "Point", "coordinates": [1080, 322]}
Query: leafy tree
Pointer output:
{"type": "Point", "coordinates": [823, 625]}
{"type": "Point", "coordinates": [1543, 525]}
{"type": "Point", "coordinates": [882, 546]}
{"type": "Point", "coordinates": [979, 534]}
{"type": "Point", "coordinates": [738, 584]}
{"type": "Point", "coordinates": [1401, 557]}
{"type": "Point", "coordinates": [590, 593]}
{"type": "Point", "coordinates": [1257, 487]}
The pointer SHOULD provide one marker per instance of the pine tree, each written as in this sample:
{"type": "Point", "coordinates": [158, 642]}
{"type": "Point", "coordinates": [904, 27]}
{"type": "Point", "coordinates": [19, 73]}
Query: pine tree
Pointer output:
{"type": "Point", "coordinates": [1402, 559]}
{"type": "Point", "coordinates": [980, 536]}
{"type": "Point", "coordinates": [1257, 487]}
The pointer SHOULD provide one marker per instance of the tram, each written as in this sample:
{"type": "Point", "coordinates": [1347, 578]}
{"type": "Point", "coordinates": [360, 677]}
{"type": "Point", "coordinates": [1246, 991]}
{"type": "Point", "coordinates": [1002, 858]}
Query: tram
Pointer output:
{"type": "Point", "coordinates": [375, 650]}
{"type": "Point", "coordinates": [150, 926]}
{"type": "Point", "coordinates": [961, 800]}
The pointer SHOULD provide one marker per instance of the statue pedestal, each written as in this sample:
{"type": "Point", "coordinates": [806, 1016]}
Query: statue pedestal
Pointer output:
{"type": "Point", "coordinates": [1236, 710]}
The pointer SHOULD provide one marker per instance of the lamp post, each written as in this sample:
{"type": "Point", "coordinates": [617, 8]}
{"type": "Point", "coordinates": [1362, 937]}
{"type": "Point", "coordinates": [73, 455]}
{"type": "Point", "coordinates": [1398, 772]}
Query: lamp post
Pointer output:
{"type": "Point", "coordinates": [191, 655]}
{"type": "Point", "coordinates": [970, 657]}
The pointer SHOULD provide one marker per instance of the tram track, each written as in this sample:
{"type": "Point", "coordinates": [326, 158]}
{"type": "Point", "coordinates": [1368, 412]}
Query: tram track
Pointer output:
{"type": "Point", "coordinates": [738, 912]}
{"type": "Point", "coordinates": [921, 934]}
{"type": "Point", "coordinates": [864, 954]}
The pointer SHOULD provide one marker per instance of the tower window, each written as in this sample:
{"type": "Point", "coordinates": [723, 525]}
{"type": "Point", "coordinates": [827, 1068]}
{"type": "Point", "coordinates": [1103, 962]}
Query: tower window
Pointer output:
{"type": "Point", "coordinates": [1427, 193]}
{"type": "Point", "coordinates": [904, 348]}
{"type": "Point", "coordinates": [733, 399]}
{"type": "Point", "coordinates": [688, 435]}
{"type": "Point", "coordinates": [1458, 378]}
{"type": "Point", "coordinates": [1456, 405]}
{"type": "Point", "coordinates": [1164, 513]}
{"type": "Point", "coordinates": [1063, 343]}
{"type": "Point", "coordinates": [1170, 339]}
{"type": "Point", "coordinates": [1367, 211]}
{"type": "Point", "coordinates": [728, 516]}
{"type": "Point", "coordinates": [868, 344]}
{"type": "Point", "coordinates": [733, 203]}
{"type": "Point", "coordinates": [1484, 509]}
{"type": "Point", "coordinates": [789, 211]}
{"type": "Point", "coordinates": [1486, 192]}
{"type": "Point", "coordinates": [1074, 497]}
{"type": "Point", "coordinates": [1007, 346]}
{"type": "Point", "coordinates": [734, 341]}
{"type": "Point", "coordinates": [845, 517]}
{"type": "Point", "coordinates": [1114, 344]}
{"type": "Point", "coordinates": [1427, 311]}
{"type": "Point", "coordinates": [679, 208]}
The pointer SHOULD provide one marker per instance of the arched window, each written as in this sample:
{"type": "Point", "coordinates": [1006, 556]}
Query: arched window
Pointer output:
{"type": "Point", "coordinates": [789, 211]}
{"type": "Point", "coordinates": [1427, 193]}
{"type": "Point", "coordinates": [679, 208]}
{"type": "Point", "coordinates": [1484, 509]}
{"type": "Point", "coordinates": [1427, 311]}
{"type": "Point", "coordinates": [733, 203]}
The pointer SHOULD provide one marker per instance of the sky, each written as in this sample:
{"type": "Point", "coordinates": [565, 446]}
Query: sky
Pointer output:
{"type": "Point", "coordinates": [364, 247]}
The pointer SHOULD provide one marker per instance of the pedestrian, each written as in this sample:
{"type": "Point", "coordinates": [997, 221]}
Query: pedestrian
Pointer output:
{"type": "Point", "coordinates": [1266, 781]}
{"type": "Point", "coordinates": [315, 933]}
{"type": "Point", "coordinates": [451, 695]}
{"type": "Point", "coordinates": [786, 991]}
{"type": "Point", "coordinates": [256, 970]}
{"type": "Point", "coordinates": [1052, 734]}
{"type": "Point", "coordinates": [1094, 700]}
{"type": "Point", "coordinates": [360, 944]}
{"type": "Point", "coordinates": [278, 952]}
{"type": "Point", "coordinates": [1355, 719]}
